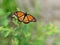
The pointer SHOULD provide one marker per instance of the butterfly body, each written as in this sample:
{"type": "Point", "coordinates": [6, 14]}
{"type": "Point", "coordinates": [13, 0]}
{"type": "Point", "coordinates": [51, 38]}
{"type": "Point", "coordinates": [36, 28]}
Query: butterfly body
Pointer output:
{"type": "Point", "coordinates": [25, 14]}
{"type": "Point", "coordinates": [24, 17]}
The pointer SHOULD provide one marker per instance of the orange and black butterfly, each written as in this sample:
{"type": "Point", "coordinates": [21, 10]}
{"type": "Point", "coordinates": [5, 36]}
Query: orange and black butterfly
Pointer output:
{"type": "Point", "coordinates": [24, 17]}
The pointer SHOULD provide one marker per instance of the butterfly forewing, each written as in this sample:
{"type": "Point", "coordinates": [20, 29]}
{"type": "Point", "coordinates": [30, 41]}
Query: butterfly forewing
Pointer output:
{"type": "Point", "coordinates": [31, 18]}
{"type": "Point", "coordinates": [19, 14]}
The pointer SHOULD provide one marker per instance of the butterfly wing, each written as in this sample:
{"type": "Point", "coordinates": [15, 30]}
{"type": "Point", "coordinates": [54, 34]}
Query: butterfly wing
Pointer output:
{"type": "Point", "coordinates": [25, 20]}
{"type": "Point", "coordinates": [31, 18]}
{"type": "Point", "coordinates": [21, 18]}
{"type": "Point", "coordinates": [20, 15]}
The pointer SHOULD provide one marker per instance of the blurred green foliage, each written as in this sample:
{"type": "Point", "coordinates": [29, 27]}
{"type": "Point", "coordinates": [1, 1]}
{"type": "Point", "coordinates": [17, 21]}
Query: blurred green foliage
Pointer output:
{"type": "Point", "coordinates": [13, 32]}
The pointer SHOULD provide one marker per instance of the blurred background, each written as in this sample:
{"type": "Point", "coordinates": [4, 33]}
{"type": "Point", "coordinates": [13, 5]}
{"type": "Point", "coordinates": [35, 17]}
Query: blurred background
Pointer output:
{"type": "Point", "coordinates": [46, 31]}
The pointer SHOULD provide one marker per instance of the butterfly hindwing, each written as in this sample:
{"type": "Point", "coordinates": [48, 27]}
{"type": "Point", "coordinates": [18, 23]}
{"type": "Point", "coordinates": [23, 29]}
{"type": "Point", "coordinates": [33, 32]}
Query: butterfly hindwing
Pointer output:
{"type": "Point", "coordinates": [21, 18]}
{"type": "Point", "coordinates": [26, 20]}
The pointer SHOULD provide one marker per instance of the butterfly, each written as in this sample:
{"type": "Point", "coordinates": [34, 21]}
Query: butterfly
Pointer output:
{"type": "Point", "coordinates": [24, 17]}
